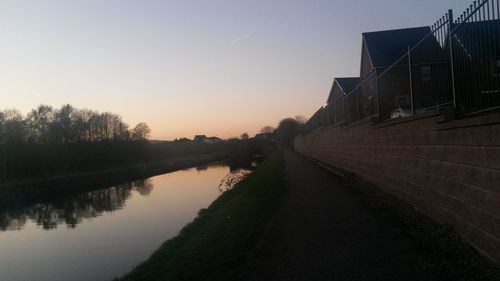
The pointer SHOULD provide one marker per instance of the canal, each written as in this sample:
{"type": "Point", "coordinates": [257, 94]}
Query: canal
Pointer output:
{"type": "Point", "coordinates": [102, 233]}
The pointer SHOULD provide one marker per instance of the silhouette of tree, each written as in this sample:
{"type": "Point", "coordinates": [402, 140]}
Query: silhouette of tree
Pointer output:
{"type": "Point", "coordinates": [12, 127]}
{"type": "Point", "coordinates": [244, 136]}
{"type": "Point", "coordinates": [286, 131]}
{"type": "Point", "coordinates": [39, 123]}
{"type": "Point", "coordinates": [63, 125]}
{"type": "Point", "coordinates": [140, 132]}
{"type": "Point", "coordinates": [301, 119]}
{"type": "Point", "coordinates": [45, 125]}
{"type": "Point", "coordinates": [267, 130]}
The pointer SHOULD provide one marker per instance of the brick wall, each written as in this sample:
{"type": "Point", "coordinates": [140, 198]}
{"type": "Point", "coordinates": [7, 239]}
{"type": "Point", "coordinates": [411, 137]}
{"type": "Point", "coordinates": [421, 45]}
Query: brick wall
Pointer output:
{"type": "Point", "coordinates": [447, 170]}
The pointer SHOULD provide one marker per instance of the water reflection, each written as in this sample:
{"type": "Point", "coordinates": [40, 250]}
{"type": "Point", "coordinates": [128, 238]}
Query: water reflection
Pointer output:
{"type": "Point", "coordinates": [71, 210]}
{"type": "Point", "coordinates": [50, 207]}
{"type": "Point", "coordinates": [109, 230]}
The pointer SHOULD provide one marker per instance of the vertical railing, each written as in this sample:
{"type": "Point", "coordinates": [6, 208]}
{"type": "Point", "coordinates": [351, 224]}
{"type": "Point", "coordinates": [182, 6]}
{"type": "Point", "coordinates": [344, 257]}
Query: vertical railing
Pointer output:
{"type": "Point", "coordinates": [476, 56]}
{"type": "Point", "coordinates": [457, 65]}
{"type": "Point", "coordinates": [339, 109]}
{"type": "Point", "coordinates": [420, 79]}
{"type": "Point", "coordinates": [362, 101]}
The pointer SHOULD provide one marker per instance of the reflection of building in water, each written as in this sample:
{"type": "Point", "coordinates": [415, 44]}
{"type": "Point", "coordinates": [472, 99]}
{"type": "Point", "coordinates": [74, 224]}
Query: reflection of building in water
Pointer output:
{"type": "Point", "coordinates": [72, 209]}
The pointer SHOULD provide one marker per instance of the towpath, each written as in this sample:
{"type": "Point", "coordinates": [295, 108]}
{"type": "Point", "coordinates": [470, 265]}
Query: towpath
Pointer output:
{"type": "Point", "coordinates": [324, 231]}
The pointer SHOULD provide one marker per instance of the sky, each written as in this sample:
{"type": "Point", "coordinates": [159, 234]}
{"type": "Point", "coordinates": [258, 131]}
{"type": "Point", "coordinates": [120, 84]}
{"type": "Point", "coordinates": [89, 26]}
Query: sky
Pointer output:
{"type": "Point", "coordinates": [186, 67]}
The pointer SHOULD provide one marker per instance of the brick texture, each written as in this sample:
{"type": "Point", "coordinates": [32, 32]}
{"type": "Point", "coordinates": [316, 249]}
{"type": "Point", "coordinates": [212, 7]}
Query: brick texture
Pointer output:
{"type": "Point", "coordinates": [447, 170]}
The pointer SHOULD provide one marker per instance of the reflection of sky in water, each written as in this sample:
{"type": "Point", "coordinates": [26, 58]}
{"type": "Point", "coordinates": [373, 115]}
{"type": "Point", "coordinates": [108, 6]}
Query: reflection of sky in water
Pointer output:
{"type": "Point", "coordinates": [108, 231]}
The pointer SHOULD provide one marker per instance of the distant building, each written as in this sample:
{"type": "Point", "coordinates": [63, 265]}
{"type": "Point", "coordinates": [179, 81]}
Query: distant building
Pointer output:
{"type": "Point", "coordinates": [182, 140]}
{"type": "Point", "coordinates": [205, 139]}
{"type": "Point", "coordinates": [200, 138]}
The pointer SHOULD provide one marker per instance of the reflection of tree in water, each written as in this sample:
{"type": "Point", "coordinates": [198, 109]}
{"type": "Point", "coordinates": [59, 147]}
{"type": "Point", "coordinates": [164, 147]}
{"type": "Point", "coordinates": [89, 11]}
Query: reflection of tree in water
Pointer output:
{"type": "Point", "coordinates": [228, 182]}
{"type": "Point", "coordinates": [71, 210]}
{"type": "Point", "coordinates": [144, 187]}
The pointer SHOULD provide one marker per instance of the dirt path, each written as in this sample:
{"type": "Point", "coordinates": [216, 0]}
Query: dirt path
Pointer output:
{"type": "Point", "coordinates": [322, 231]}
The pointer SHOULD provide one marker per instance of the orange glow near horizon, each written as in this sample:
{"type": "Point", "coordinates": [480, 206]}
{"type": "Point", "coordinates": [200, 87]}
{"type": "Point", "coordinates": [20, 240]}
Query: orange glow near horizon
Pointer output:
{"type": "Point", "coordinates": [190, 67]}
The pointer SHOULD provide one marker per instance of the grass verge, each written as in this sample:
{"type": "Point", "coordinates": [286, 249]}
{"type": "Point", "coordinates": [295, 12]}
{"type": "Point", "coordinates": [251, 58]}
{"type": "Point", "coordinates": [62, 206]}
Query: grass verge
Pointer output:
{"type": "Point", "coordinates": [216, 244]}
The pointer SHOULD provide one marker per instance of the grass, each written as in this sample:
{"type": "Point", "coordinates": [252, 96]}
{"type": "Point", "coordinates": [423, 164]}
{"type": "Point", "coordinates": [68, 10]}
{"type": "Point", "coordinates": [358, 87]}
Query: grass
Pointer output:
{"type": "Point", "coordinates": [215, 246]}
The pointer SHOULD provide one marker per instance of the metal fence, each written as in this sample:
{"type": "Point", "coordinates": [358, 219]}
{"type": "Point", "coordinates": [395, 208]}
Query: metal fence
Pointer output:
{"type": "Point", "coordinates": [457, 65]}
{"type": "Point", "coordinates": [475, 56]}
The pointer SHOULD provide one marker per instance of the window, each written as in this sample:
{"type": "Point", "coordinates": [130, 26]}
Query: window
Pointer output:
{"type": "Point", "coordinates": [426, 73]}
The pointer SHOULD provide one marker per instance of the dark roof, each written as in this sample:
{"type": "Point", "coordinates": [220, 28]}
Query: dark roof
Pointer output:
{"type": "Point", "coordinates": [386, 47]}
{"type": "Point", "coordinates": [346, 84]}
{"type": "Point", "coordinates": [478, 39]}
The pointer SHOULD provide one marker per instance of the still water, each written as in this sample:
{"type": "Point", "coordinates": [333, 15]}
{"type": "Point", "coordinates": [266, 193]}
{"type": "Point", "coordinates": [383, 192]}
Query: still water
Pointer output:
{"type": "Point", "coordinates": [101, 234]}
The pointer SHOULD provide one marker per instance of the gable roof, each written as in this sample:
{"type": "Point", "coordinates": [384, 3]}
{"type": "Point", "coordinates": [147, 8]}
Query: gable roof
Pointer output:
{"type": "Point", "coordinates": [386, 47]}
{"type": "Point", "coordinates": [478, 39]}
{"type": "Point", "coordinates": [346, 84]}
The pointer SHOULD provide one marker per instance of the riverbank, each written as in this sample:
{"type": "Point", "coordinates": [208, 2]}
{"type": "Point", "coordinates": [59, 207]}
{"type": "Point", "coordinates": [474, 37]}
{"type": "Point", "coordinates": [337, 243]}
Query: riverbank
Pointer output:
{"type": "Point", "coordinates": [33, 190]}
{"type": "Point", "coordinates": [216, 244]}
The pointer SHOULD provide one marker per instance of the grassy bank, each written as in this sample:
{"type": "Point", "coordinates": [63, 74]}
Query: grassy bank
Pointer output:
{"type": "Point", "coordinates": [27, 192]}
{"type": "Point", "coordinates": [216, 244]}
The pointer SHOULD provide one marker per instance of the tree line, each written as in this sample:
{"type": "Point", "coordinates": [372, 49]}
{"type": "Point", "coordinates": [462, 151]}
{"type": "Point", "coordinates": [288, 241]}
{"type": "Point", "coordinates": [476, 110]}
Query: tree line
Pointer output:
{"type": "Point", "coordinates": [46, 125]}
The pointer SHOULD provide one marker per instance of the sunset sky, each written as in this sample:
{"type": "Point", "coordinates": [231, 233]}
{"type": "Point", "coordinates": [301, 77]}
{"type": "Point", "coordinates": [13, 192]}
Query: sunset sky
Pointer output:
{"type": "Point", "coordinates": [191, 67]}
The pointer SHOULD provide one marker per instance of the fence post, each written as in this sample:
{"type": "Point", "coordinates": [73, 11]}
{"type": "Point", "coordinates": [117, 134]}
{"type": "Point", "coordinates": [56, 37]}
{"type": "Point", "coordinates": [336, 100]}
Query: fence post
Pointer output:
{"type": "Point", "coordinates": [343, 108]}
{"type": "Point", "coordinates": [357, 103]}
{"type": "Point", "coordinates": [378, 96]}
{"type": "Point", "coordinates": [411, 82]}
{"type": "Point", "coordinates": [450, 42]}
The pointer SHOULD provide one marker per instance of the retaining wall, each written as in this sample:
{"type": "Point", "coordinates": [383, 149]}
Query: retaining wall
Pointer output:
{"type": "Point", "coordinates": [447, 170]}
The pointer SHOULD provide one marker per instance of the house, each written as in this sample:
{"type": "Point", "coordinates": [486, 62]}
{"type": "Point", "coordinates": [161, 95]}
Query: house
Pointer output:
{"type": "Point", "coordinates": [315, 120]}
{"type": "Point", "coordinates": [200, 138]}
{"type": "Point", "coordinates": [384, 75]}
{"type": "Point", "coordinates": [335, 102]}
{"type": "Point", "coordinates": [476, 55]}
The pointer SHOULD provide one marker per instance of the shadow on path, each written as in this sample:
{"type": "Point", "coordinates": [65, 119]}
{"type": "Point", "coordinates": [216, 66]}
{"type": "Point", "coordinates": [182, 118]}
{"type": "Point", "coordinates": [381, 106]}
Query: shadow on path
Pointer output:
{"type": "Point", "coordinates": [322, 231]}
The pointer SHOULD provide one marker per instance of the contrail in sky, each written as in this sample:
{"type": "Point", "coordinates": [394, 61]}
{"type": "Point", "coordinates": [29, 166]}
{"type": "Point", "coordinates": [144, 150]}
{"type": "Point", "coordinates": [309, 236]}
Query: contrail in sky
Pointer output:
{"type": "Point", "coordinates": [252, 32]}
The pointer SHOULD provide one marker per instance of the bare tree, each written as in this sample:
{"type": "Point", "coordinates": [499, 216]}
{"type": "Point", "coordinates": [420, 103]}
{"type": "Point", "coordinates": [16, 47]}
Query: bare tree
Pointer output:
{"type": "Point", "coordinates": [63, 130]}
{"type": "Point", "coordinates": [301, 119]}
{"type": "Point", "coordinates": [39, 122]}
{"type": "Point", "coordinates": [12, 127]}
{"type": "Point", "coordinates": [67, 125]}
{"type": "Point", "coordinates": [140, 132]}
{"type": "Point", "coordinates": [267, 130]}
